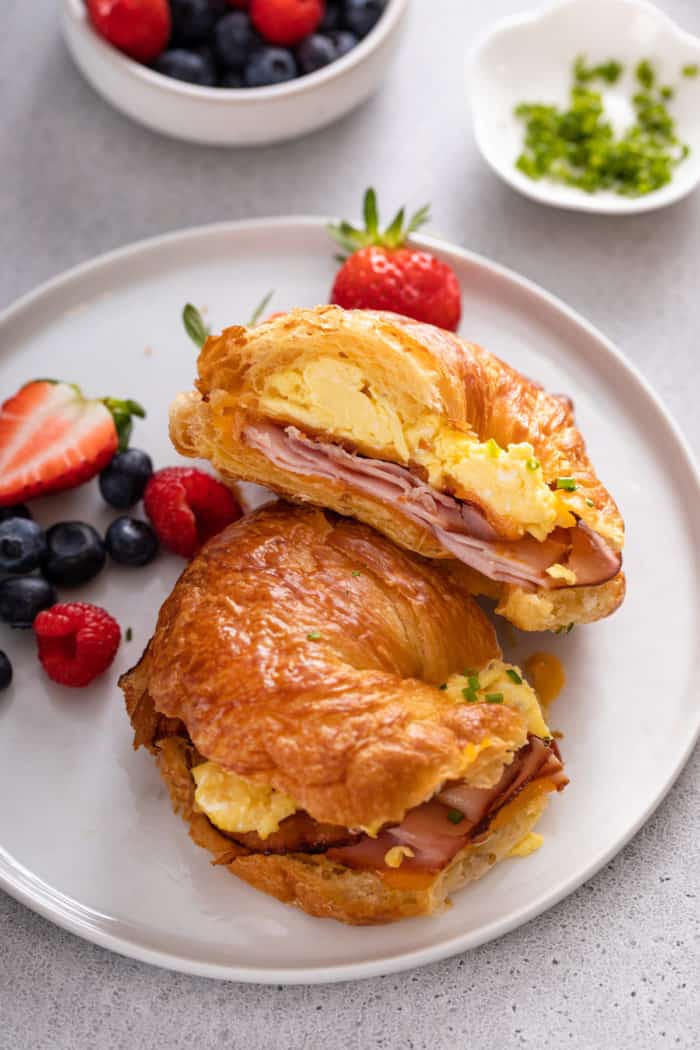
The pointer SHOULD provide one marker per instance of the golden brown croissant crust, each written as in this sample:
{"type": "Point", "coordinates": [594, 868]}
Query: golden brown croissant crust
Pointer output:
{"type": "Point", "coordinates": [306, 651]}
{"type": "Point", "coordinates": [458, 381]}
{"type": "Point", "coordinates": [308, 880]}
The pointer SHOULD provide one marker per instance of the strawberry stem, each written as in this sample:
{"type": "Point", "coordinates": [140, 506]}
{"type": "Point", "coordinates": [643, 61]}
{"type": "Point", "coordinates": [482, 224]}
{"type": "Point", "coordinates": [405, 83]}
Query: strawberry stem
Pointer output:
{"type": "Point", "coordinates": [194, 324]}
{"type": "Point", "coordinates": [122, 412]}
{"type": "Point", "coordinates": [351, 238]}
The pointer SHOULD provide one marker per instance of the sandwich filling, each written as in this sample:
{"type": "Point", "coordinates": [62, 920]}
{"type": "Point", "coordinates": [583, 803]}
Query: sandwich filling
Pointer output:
{"type": "Point", "coordinates": [566, 556]}
{"type": "Point", "coordinates": [426, 840]}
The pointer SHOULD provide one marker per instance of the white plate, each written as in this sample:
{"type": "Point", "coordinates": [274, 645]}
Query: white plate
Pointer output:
{"type": "Point", "coordinates": [528, 58]}
{"type": "Point", "coordinates": [87, 836]}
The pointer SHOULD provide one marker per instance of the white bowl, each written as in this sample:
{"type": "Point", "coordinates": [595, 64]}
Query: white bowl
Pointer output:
{"type": "Point", "coordinates": [226, 116]}
{"type": "Point", "coordinates": [528, 58]}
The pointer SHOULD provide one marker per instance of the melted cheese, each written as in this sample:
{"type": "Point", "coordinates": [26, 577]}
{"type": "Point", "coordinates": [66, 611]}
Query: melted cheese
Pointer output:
{"type": "Point", "coordinates": [548, 676]}
{"type": "Point", "coordinates": [331, 397]}
{"type": "Point", "coordinates": [495, 679]}
{"type": "Point", "coordinates": [530, 844]}
{"type": "Point", "coordinates": [233, 803]}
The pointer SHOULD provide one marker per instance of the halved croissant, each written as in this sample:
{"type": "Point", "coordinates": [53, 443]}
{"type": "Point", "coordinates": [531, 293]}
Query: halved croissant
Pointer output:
{"type": "Point", "coordinates": [430, 439]}
{"type": "Point", "coordinates": [312, 692]}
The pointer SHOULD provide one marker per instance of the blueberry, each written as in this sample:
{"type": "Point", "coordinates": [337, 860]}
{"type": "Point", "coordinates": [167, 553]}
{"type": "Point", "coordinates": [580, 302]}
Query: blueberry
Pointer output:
{"type": "Point", "coordinates": [22, 545]}
{"type": "Point", "coordinates": [314, 52]}
{"type": "Point", "coordinates": [362, 15]}
{"type": "Point", "coordinates": [231, 79]}
{"type": "Point", "coordinates": [332, 19]}
{"type": "Point", "coordinates": [131, 542]}
{"type": "Point", "coordinates": [23, 597]}
{"type": "Point", "coordinates": [18, 511]}
{"type": "Point", "coordinates": [185, 65]}
{"type": "Point", "coordinates": [235, 40]}
{"type": "Point", "coordinates": [5, 671]}
{"type": "Point", "coordinates": [75, 554]}
{"type": "Point", "coordinates": [343, 41]}
{"type": "Point", "coordinates": [270, 65]}
{"type": "Point", "coordinates": [194, 20]}
{"type": "Point", "coordinates": [208, 57]}
{"type": "Point", "coordinates": [123, 480]}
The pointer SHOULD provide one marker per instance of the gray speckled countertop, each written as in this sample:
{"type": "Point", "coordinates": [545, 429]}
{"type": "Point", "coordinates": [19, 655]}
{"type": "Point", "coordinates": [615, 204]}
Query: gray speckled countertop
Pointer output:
{"type": "Point", "coordinates": [616, 965]}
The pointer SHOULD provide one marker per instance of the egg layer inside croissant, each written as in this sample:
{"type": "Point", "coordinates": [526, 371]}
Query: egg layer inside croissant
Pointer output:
{"type": "Point", "coordinates": [332, 397]}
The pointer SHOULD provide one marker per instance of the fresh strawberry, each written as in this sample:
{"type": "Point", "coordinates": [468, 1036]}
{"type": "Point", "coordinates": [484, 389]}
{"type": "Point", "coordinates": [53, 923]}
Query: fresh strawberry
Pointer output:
{"type": "Point", "coordinates": [52, 438]}
{"type": "Point", "coordinates": [187, 507]}
{"type": "Point", "coordinates": [77, 642]}
{"type": "Point", "coordinates": [286, 22]}
{"type": "Point", "coordinates": [139, 28]}
{"type": "Point", "coordinates": [384, 273]}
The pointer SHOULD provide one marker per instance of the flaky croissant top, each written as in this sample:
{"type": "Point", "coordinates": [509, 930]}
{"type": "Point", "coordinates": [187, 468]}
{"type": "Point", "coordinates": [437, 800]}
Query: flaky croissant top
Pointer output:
{"type": "Point", "coordinates": [431, 439]}
{"type": "Point", "coordinates": [306, 651]}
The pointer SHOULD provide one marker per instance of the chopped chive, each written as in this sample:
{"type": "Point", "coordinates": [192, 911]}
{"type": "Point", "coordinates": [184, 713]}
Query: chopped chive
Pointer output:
{"type": "Point", "coordinates": [454, 816]}
{"type": "Point", "coordinates": [690, 70]}
{"type": "Point", "coordinates": [469, 695]}
{"type": "Point", "coordinates": [314, 636]}
{"type": "Point", "coordinates": [532, 463]}
{"type": "Point", "coordinates": [645, 74]}
{"type": "Point", "coordinates": [128, 634]}
{"type": "Point", "coordinates": [473, 681]}
{"type": "Point", "coordinates": [356, 572]}
{"type": "Point", "coordinates": [494, 698]}
{"type": "Point", "coordinates": [443, 686]}
{"type": "Point", "coordinates": [666, 92]}
{"type": "Point", "coordinates": [514, 676]}
{"type": "Point", "coordinates": [568, 484]}
{"type": "Point", "coordinates": [565, 629]}
{"type": "Point", "coordinates": [589, 502]}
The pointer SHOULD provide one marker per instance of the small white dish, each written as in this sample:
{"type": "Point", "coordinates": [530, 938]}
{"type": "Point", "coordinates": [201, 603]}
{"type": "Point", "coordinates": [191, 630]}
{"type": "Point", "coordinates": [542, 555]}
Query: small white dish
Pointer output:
{"type": "Point", "coordinates": [87, 836]}
{"type": "Point", "coordinates": [232, 116]}
{"type": "Point", "coordinates": [528, 58]}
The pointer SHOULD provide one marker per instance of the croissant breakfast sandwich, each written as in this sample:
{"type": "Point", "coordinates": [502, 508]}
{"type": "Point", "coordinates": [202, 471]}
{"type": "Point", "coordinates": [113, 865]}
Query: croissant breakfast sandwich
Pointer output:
{"type": "Point", "coordinates": [333, 719]}
{"type": "Point", "coordinates": [430, 439]}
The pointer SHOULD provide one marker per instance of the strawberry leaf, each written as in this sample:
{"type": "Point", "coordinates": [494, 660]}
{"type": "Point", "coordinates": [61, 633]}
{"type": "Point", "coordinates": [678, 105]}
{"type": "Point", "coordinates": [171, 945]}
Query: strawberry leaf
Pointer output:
{"type": "Point", "coordinates": [395, 235]}
{"type": "Point", "coordinates": [194, 325]}
{"type": "Point", "coordinates": [122, 413]}
{"type": "Point", "coordinates": [260, 308]}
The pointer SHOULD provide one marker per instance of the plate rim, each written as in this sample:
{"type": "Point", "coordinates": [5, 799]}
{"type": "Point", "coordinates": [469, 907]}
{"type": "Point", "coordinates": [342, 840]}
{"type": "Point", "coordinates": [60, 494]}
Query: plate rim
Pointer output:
{"type": "Point", "coordinates": [19, 883]}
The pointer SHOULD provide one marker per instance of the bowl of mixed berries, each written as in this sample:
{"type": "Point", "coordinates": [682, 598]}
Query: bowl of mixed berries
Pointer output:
{"type": "Point", "coordinates": [233, 72]}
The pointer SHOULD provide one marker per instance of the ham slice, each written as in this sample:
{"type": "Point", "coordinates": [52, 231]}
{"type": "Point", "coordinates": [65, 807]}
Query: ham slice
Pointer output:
{"type": "Point", "coordinates": [460, 527]}
{"type": "Point", "coordinates": [429, 831]}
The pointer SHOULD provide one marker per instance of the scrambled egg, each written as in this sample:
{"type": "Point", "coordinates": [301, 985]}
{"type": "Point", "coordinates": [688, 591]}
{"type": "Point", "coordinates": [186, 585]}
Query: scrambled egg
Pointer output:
{"type": "Point", "coordinates": [330, 396]}
{"type": "Point", "coordinates": [530, 844]}
{"type": "Point", "coordinates": [507, 683]}
{"type": "Point", "coordinates": [233, 803]}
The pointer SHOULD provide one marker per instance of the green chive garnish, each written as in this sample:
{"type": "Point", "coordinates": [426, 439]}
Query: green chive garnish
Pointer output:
{"type": "Point", "coordinates": [313, 636]}
{"type": "Point", "coordinates": [568, 484]}
{"type": "Point", "coordinates": [473, 681]}
{"type": "Point", "coordinates": [469, 673]}
{"type": "Point", "coordinates": [589, 502]}
{"type": "Point", "coordinates": [356, 572]}
{"type": "Point", "coordinates": [469, 695]}
{"type": "Point", "coordinates": [532, 464]}
{"type": "Point", "coordinates": [454, 816]}
{"type": "Point", "coordinates": [690, 71]}
{"type": "Point", "coordinates": [514, 676]}
{"type": "Point", "coordinates": [494, 698]}
{"type": "Point", "coordinates": [128, 634]}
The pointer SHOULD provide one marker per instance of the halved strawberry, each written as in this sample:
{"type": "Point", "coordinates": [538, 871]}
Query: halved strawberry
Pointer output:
{"type": "Point", "coordinates": [52, 438]}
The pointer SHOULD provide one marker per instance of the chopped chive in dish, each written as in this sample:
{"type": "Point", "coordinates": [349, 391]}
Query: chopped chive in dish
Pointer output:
{"type": "Point", "coordinates": [578, 146]}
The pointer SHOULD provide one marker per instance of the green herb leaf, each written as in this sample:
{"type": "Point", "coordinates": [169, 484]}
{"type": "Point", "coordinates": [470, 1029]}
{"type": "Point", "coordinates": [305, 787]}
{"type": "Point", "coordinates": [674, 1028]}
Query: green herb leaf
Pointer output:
{"type": "Point", "coordinates": [194, 325]}
{"type": "Point", "coordinates": [568, 484]}
{"type": "Point", "coordinates": [260, 308]}
{"type": "Point", "coordinates": [469, 695]}
{"type": "Point", "coordinates": [454, 816]}
{"type": "Point", "coordinates": [514, 676]}
{"type": "Point", "coordinates": [494, 698]}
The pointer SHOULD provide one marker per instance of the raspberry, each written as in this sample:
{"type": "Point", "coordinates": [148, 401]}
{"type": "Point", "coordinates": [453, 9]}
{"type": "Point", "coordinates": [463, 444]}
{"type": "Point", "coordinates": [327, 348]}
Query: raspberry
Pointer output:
{"type": "Point", "coordinates": [286, 22]}
{"type": "Point", "coordinates": [77, 642]}
{"type": "Point", "coordinates": [139, 28]}
{"type": "Point", "coordinates": [187, 507]}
